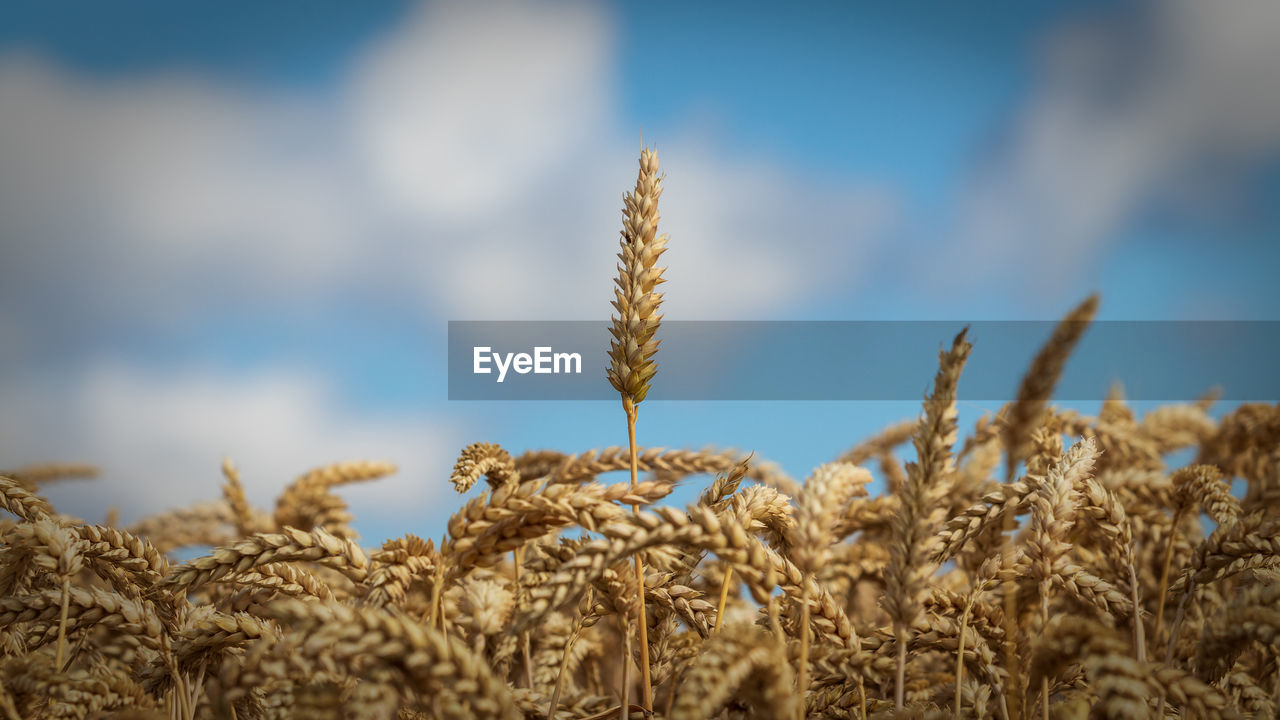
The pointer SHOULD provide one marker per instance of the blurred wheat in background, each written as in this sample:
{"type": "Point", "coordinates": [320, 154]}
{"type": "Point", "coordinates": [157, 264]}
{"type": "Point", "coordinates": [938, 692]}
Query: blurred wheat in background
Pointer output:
{"type": "Point", "coordinates": [1041, 563]}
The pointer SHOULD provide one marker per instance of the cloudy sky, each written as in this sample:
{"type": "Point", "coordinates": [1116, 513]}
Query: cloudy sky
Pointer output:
{"type": "Point", "coordinates": [240, 229]}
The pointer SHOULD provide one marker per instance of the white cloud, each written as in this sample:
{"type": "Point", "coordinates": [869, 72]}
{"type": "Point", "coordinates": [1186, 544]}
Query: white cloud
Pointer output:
{"type": "Point", "coordinates": [143, 200]}
{"type": "Point", "coordinates": [1128, 109]}
{"type": "Point", "coordinates": [471, 164]}
{"type": "Point", "coordinates": [160, 439]}
{"type": "Point", "coordinates": [750, 239]}
{"type": "Point", "coordinates": [465, 109]}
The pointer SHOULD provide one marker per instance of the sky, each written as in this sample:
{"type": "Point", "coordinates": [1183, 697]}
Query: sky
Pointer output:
{"type": "Point", "coordinates": [240, 229]}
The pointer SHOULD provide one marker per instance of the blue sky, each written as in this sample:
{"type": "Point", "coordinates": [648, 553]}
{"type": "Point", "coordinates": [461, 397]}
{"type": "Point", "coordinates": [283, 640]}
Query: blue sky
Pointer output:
{"type": "Point", "coordinates": [240, 228]}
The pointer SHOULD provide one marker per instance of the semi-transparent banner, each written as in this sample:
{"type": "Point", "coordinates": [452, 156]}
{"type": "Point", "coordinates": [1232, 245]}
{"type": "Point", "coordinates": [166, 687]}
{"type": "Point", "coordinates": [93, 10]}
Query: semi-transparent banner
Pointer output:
{"type": "Point", "coordinates": [865, 360]}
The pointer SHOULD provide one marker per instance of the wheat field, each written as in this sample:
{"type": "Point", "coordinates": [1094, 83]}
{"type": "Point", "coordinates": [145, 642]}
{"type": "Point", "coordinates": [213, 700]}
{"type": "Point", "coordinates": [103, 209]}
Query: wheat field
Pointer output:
{"type": "Point", "coordinates": [1043, 563]}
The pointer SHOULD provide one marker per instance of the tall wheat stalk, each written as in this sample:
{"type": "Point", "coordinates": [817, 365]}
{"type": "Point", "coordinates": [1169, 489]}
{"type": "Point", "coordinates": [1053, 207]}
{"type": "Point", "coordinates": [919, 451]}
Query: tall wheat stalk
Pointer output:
{"type": "Point", "coordinates": [1027, 413]}
{"type": "Point", "coordinates": [912, 528]}
{"type": "Point", "coordinates": [631, 352]}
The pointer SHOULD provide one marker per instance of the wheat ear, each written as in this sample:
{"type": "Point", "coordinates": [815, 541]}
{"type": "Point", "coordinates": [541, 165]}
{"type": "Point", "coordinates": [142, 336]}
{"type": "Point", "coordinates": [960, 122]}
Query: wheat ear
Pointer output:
{"type": "Point", "coordinates": [1198, 485]}
{"type": "Point", "coordinates": [1025, 416]}
{"type": "Point", "coordinates": [740, 662]}
{"type": "Point", "coordinates": [1053, 510]}
{"type": "Point", "coordinates": [724, 486]}
{"type": "Point", "coordinates": [913, 527]}
{"type": "Point", "coordinates": [631, 365]}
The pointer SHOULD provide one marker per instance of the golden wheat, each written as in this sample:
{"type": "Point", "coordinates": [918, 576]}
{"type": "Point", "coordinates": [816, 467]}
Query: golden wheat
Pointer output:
{"type": "Point", "coordinates": [97, 621]}
{"type": "Point", "coordinates": [959, 590]}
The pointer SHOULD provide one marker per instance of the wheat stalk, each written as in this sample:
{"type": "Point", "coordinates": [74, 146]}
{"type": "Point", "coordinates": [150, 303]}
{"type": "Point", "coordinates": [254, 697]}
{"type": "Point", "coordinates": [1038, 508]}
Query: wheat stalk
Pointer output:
{"type": "Point", "coordinates": [1026, 415]}
{"type": "Point", "coordinates": [634, 330]}
{"type": "Point", "coordinates": [933, 439]}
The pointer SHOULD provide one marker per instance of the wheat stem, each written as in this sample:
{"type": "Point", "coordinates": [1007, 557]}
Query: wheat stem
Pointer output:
{"type": "Point", "coordinates": [517, 556]}
{"type": "Point", "coordinates": [642, 619]}
{"type": "Point", "coordinates": [435, 609]}
{"type": "Point", "coordinates": [1164, 574]}
{"type": "Point", "coordinates": [1044, 622]}
{"type": "Point", "coordinates": [724, 597]}
{"type": "Point", "coordinates": [626, 666]}
{"type": "Point", "coordinates": [899, 688]}
{"type": "Point", "coordinates": [1010, 598]}
{"type": "Point", "coordinates": [862, 698]}
{"type": "Point", "coordinates": [964, 625]}
{"type": "Point", "coordinates": [196, 687]}
{"type": "Point", "coordinates": [182, 699]}
{"type": "Point", "coordinates": [62, 623]}
{"type": "Point", "coordinates": [802, 679]}
{"type": "Point", "coordinates": [564, 665]}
